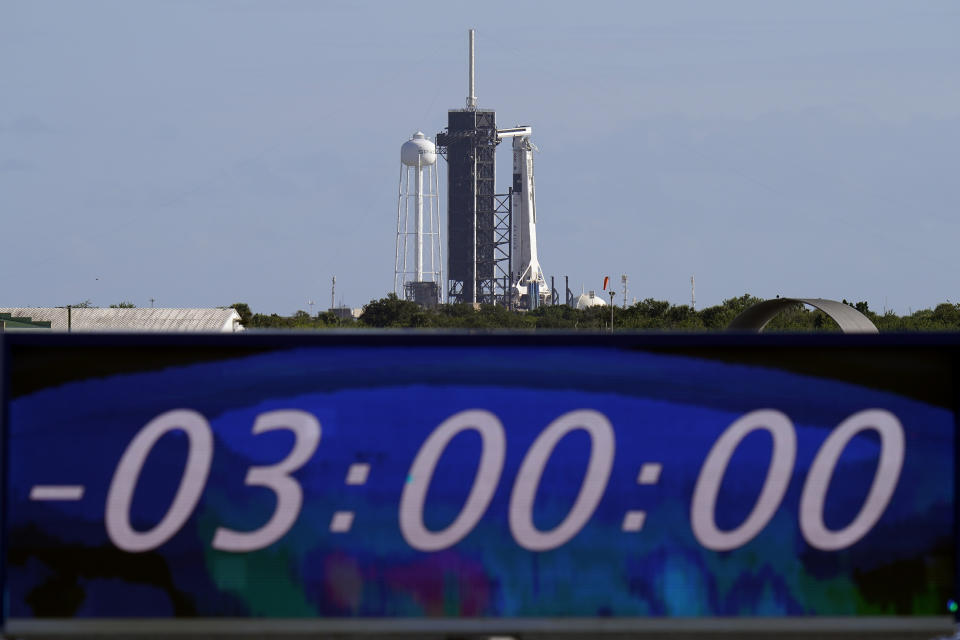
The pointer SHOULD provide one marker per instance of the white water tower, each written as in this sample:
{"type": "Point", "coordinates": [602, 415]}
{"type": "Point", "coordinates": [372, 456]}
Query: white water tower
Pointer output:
{"type": "Point", "coordinates": [417, 272]}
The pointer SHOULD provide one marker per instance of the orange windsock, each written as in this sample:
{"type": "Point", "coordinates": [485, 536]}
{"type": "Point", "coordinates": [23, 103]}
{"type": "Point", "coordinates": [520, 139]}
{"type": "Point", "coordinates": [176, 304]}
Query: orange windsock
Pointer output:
{"type": "Point", "coordinates": [606, 281]}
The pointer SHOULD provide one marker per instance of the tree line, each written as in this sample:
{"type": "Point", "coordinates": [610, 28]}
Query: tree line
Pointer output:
{"type": "Point", "coordinates": [392, 312]}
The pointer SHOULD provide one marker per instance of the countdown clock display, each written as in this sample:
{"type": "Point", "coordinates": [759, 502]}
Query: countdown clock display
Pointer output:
{"type": "Point", "coordinates": [480, 477]}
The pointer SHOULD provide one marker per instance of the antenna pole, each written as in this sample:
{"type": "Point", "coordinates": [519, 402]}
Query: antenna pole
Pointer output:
{"type": "Point", "coordinates": [472, 96]}
{"type": "Point", "coordinates": [333, 293]}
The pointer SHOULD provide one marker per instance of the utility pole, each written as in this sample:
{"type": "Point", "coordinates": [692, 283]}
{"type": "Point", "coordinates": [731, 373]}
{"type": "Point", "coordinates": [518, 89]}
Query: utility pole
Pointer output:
{"type": "Point", "coordinates": [693, 295]}
{"type": "Point", "coordinates": [623, 279]}
{"type": "Point", "coordinates": [333, 293]}
{"type": "Point", "coordinates": [612, 293]}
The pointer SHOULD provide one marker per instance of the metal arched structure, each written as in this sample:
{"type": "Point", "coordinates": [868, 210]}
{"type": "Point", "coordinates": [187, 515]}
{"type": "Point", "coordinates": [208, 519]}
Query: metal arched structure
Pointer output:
{"type": "Point", "coordinates": [759, 315]}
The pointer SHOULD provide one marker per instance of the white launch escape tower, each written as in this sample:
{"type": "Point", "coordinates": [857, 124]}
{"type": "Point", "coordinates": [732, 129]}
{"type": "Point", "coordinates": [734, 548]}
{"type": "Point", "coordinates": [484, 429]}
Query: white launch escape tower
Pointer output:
{"type": "Point", "coordinates": [417, 271]}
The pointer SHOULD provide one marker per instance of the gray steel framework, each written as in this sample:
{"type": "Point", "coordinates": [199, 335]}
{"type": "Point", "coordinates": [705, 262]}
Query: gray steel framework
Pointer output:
{"type": "Point", "coordinates": [496, 289]}
{"type": "Point", "coordinates": [485, 220]}
{"type": "Point", "coordinates": [479, 219]}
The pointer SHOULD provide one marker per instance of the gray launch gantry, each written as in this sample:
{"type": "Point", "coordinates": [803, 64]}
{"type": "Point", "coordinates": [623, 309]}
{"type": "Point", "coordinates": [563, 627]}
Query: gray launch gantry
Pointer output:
{"type": "Point", "coordinates": [491, 237]}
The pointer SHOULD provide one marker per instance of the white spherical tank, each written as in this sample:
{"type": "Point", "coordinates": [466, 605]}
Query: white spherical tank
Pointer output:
{"type": "Point", "coordinates": [418, 150]}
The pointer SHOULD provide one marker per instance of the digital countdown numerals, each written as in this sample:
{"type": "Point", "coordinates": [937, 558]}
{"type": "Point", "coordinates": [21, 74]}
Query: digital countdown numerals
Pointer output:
{"type": "Point", "coordinates": [492, 453]}
{"type": "Point", "coordinates": [276, 477]}
{"type": "Point", "coordinates": [306, 430]}
{"type": "Point", "coordinates": [815, 532]}
{"type": "Point", "coordinates": [703, 504]}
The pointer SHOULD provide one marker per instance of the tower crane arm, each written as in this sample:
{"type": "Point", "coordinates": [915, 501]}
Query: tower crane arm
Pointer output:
{"type": "Point", "coordinates": [514, 132]}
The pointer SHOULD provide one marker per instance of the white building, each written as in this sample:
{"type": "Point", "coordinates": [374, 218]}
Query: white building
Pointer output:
{"type": "Point", "coordinates": [589, 299]}
{"type": "Point", "coordinates": [95, 319]}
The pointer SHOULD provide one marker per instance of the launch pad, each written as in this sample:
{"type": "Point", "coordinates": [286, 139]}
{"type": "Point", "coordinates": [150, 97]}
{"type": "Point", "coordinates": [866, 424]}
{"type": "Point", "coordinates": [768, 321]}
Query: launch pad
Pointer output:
{"type": "Point", "coordinates": [491, 237]}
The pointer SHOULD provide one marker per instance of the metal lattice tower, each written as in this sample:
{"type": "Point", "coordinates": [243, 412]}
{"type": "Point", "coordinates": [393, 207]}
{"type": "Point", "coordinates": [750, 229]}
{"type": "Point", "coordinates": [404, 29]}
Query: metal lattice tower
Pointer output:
{"type": "Point", "coordinates": [417, 270]}
{"type": "Point", "coordinates": [478, 231]}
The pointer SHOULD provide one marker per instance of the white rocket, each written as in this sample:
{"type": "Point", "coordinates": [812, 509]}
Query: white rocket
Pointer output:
{"type": "Point", "coordinates": [527, 276]}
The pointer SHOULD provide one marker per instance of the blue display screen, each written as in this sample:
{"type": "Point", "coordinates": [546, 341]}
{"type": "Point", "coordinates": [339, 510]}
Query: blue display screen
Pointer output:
{"type": "Point", "coordinates": [476, 478]}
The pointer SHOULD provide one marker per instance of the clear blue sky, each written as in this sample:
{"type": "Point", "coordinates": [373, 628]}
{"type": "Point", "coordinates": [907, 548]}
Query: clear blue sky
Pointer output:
{"type": "Point", "coordinates": [207, 152]}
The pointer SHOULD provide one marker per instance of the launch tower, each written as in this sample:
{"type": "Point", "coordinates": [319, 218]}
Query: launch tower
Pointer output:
{"type": "Point", "coordinates": [478, 219]}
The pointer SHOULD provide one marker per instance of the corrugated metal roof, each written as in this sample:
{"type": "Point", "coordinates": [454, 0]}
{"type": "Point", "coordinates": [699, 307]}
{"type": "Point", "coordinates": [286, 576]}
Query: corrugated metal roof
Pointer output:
{"type": "Point", "coordinates": [87, 319]}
